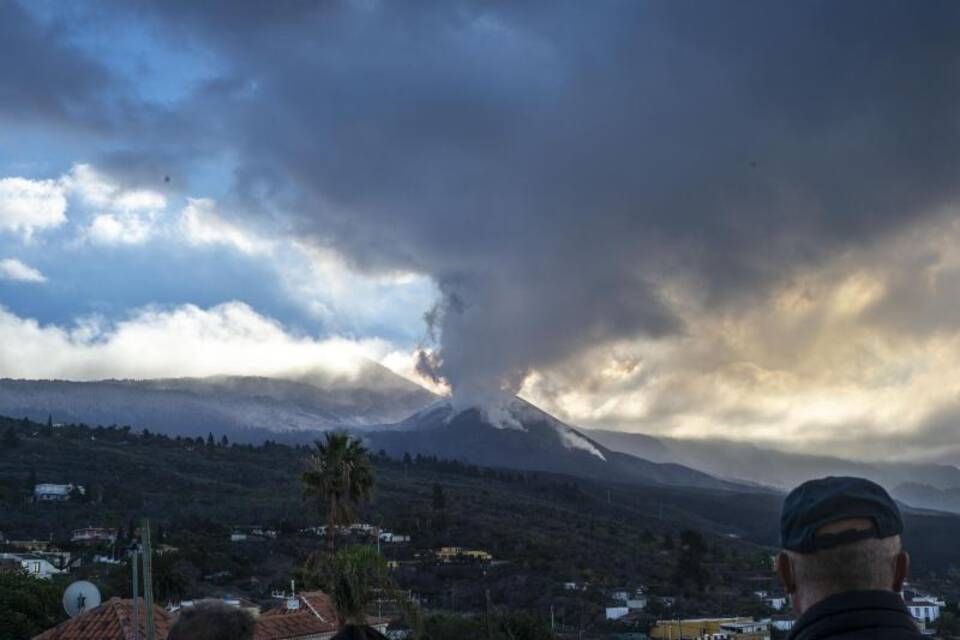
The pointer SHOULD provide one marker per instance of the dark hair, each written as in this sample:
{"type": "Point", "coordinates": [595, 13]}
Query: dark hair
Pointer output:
{"type": "Point", "coordinates": [212, 621]}
{"type": "Point", "coordinates": [354, 632]}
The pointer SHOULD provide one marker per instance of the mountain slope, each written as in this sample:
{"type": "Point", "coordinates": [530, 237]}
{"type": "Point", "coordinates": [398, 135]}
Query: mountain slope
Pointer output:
{"type": "Point", "coordinates": [245, 408]}
{"type": "Point", "coordinates": [524, 437]}
{"type": "Point", "coordinates": [921, 485]}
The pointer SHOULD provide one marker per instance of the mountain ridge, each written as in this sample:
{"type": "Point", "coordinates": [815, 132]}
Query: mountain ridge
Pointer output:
{"type": "Point", "coordinates": [530, 439]}
{"type": "Point", "coordinates": [247, 408]}
{"type": "Point", "coordinates": [921, 485]}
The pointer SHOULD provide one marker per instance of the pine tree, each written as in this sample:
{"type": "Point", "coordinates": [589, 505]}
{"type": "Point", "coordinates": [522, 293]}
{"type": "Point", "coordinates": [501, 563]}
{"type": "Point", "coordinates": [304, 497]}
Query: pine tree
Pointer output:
{"type": "Point", "coordinates": [439, 498]}
{"type": "Point", "coordinates": [47, 430]}
{"type": "Point", "coordinates": [10, 438]}
{"type": "Point", "coordinates": [440, 506]}
{"type": "Point", "coordinates": [668, 542]}
{"type": "Point", "coordinates": [224, 442]}
{"type": "Point", "coordinates": [31, 482]}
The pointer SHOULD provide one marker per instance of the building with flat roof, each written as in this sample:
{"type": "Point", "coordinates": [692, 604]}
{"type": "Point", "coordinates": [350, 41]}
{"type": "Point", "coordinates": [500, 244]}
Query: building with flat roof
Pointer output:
{"type": "Point", "coordinates": [732, 628]}
{"type": "Point", "coordinates": [46, 492]}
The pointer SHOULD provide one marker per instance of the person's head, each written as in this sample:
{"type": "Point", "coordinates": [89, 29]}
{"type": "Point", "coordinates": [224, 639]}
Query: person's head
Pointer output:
{"type": "Point", "coordinates": [839, 535]}
{"type": "Point", "coordinates": [212, 621]}
{"type": "Point", "coordinates": [357, 632]}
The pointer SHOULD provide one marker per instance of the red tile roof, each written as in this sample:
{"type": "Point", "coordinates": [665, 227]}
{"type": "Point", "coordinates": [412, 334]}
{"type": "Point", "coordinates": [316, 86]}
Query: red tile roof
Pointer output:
{"type": "Point", "coordinates": [316, 603]}
{"type": "Point", "coordinates": [291, 626]}
{"type": "Point", "coordinates": [112, 620]}
{"type": "Point", "coordinates": [315, 617]}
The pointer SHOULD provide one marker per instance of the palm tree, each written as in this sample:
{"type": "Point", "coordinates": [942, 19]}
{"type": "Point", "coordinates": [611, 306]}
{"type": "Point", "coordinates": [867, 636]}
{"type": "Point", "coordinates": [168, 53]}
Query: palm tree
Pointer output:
{"type": "Point", "coordinates": [338, 478]}
{"type": "Point", "coordinates": [358, 572]}
{"type": "Point", "coordinates": [359, 577]}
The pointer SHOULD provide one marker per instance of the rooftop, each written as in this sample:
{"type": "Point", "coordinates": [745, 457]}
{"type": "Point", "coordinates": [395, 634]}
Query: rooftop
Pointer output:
{"type": "Point", "coordinates": [316, 603]}
{"type": "Point", "coordinates": [294, 625]}
{"type": "Point", "coordinates": [112, 620]}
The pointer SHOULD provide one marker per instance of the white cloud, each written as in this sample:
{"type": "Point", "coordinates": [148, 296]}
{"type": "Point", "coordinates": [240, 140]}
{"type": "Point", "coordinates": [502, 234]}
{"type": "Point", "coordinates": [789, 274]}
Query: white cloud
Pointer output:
{"type": "Point", "coordinates": [99, 191]}
{"type": "Point", "coordinates": [332, 291]}
{"type": "Point", "coordinates": [13, 269]}
{"type": "Point", "coordinates": [229, 338]}
{"type": "Point", "coordinates": [119, 229]}
{"type": "Point", "coordinates": [122, 216]}
{"type": "Point", "coordinates": [203, 225]}
{"type": "Point", "coordinates": [30, 205]}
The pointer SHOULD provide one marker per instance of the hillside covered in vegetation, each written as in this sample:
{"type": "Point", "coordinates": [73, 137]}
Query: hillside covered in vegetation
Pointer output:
{"type": "Point", "coordinates": [706, 550]}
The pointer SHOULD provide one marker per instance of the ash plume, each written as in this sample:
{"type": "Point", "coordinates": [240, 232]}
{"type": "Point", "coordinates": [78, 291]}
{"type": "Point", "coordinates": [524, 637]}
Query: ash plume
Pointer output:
{"type": "Point", "coordinates": [559, 167]}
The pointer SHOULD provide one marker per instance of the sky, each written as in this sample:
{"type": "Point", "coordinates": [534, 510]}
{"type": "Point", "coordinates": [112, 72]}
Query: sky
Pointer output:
{"type": "Point", "coordinates": [715, 220]}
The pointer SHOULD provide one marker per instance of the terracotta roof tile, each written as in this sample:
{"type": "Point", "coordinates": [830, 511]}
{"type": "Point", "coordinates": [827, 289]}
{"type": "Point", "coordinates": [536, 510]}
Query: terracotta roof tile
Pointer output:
{"type": "Point", "coordinates": [316, 603]}
{"type": "Point", "coordinates": [110, 621]}
{"type": "Point", "coordinates": [293, 625]}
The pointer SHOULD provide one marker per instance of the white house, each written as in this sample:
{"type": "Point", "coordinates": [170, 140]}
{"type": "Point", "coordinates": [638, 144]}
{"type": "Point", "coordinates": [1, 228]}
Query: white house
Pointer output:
{"type": "Point", "coordinates": [774, 602]}
{"type": "Point", "coordinates": [620, 595]}
{"type": "Point", "coordinates": [46, 492]}
{"type": "Point", "coordinates": [761, 627]}
{"type": "Point", "coordinates": [615, 613]}
{"type": "Point", "coordinates": [35, 565]}
{"type": "Point", "coordinates": [925, 609]}
{"type": "Point", "coordinates": [252, 534]}
{"type": "Point", "coordinates": [387, 536]}
{"type": "Point", "coordinates": [637, 603]}
{"type": "Point", "coordinates": [94, 535]}
{"type": "Point", "coordinates": [362, 527]}
{"type": "Point", "coordinates": [782, 623]}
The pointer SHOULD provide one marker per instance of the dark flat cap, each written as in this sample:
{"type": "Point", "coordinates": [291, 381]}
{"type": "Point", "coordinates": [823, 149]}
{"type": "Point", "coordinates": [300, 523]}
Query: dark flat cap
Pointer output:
{"type": "Point", "coordinates": [817, 503]}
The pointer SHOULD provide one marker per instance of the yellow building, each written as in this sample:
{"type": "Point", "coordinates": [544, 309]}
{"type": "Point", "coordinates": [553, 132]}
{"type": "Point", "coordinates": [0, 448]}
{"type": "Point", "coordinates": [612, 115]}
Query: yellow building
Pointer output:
{"type": "Point", "coordinates": [451, 554]}
{"type": "Point", "coordinates": [711, 629]}
{"type": "Point", "coordinates": [447, 554]}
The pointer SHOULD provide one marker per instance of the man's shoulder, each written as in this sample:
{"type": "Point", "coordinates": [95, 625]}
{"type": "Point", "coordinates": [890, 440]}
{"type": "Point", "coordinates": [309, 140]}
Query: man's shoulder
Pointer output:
{"type": "Point", "coordinates": [877, 633]}
{"type": "Point", "coordinates": [874, 615]}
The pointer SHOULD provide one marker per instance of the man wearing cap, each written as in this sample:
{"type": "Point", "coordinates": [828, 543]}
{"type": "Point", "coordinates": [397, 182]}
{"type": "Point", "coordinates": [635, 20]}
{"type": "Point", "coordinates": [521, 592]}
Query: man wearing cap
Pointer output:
{"type": "Point", "coordinates": [842, 562]}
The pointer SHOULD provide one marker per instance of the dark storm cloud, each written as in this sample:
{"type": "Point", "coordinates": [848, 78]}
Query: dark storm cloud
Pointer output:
{"type": "Point", "coordinates": [41, 78]}
{"type": "Point", "coordinates": [552, 164]}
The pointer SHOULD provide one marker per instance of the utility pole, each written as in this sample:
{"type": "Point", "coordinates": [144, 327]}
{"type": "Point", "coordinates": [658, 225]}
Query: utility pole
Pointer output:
{"type": "Point", "coordinates": [135, 559]}
{"type": "Point", "coordinates": [489, 611]}
{"type": "Point", "coordinates": [148, 580]}
{"type": "Point", "coordinates": [580, 617]}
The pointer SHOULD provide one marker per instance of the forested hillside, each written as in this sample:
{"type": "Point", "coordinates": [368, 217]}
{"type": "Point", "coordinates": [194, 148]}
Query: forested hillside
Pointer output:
{"type": "Point", "coordinates": [707, 548]}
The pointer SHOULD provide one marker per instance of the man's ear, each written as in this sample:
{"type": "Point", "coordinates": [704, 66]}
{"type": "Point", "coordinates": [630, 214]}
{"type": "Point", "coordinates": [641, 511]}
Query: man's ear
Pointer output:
{"type": "Point", "coordinates": [785, 571]}
{"type": "Point", "coordinates": [900, 570]}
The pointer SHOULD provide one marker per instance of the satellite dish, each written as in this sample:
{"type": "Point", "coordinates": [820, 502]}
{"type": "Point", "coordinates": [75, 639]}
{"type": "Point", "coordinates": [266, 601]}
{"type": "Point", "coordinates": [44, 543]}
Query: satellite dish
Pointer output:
{"type": "Point", "coordinates": [79, 597]}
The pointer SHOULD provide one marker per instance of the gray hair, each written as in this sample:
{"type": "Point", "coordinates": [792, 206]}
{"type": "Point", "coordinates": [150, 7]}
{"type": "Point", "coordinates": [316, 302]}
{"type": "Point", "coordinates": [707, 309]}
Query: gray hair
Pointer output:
{"type": "Point", "coordinates": [867, 564]}
{"type": "Point", "coordinates": [212, 621]}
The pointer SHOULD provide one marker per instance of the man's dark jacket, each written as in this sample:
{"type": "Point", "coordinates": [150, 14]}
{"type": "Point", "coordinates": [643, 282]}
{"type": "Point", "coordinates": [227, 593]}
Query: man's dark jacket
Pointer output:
{"type": "Point", "coordinates": [856, 615]}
